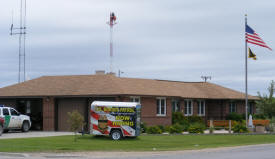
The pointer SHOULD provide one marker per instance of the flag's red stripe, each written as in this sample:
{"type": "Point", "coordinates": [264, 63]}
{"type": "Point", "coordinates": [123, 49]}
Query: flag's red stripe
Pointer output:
{"type": "Point", "coordinates": [258, 41]}
{"type": "Point", "coordinates": [253, 36]}
{"type": "Point", "coordinates": [259, 44]}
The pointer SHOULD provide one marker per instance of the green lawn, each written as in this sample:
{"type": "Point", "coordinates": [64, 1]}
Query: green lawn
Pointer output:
{"type": "Point", "coordinates": [142, 143]}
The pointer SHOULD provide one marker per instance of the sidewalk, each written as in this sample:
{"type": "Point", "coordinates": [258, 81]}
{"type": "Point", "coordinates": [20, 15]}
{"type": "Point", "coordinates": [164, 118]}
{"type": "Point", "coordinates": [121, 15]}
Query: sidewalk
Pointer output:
{"type": "Point", "coordinates": [19, 134]}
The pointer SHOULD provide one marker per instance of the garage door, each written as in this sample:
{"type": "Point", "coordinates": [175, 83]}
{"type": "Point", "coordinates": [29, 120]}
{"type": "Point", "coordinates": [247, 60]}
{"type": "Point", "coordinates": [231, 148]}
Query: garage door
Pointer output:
{"type": "Point", "coordinates": [69, 105]}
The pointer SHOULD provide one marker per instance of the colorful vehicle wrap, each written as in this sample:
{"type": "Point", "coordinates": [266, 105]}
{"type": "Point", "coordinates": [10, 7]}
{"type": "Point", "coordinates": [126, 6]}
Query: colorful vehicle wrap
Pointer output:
{"type": "Point", "coordinates": [106, 116]}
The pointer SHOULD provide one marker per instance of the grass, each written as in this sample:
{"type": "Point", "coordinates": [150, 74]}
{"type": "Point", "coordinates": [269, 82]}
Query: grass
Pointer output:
{"type": "Point", "coordinates": [142, 143]}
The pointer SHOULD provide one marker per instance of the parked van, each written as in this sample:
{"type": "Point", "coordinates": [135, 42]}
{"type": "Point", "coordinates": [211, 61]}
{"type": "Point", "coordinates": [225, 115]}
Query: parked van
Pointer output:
{"type": "Point", "coordinates": [117, 119]}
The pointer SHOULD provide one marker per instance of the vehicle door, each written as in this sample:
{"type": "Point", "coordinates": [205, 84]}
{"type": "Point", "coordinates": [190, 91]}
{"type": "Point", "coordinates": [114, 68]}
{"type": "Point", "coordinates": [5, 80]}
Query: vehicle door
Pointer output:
{"type": "Point", "coordinates": [7, 117]}
{"type": "Point", "coordinates": [15, 119]}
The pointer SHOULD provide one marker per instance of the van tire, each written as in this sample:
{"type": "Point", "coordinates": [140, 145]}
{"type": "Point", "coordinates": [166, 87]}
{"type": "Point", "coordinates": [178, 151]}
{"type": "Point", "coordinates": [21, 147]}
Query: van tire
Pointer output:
{"type": "Point", "coordinates": [116, 135]}
{"type": "Point", "coordinates": [25, 126]}
{"type": "Point", "coordinates": [1, 129]}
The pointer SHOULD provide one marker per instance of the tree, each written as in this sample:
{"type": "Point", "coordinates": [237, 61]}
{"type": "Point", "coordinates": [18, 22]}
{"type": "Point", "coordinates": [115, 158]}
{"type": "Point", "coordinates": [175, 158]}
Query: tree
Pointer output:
{"type": "Point", "coordinates": [76, 121]}
{"type": "Point", "coordinates": [266, 104]}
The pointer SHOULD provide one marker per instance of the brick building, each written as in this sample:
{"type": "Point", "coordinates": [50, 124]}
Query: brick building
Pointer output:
{"type": "Point", "coordinates": [48, 99]}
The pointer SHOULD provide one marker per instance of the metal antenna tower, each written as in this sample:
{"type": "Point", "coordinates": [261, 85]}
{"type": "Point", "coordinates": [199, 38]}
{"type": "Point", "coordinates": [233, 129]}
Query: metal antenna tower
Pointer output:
{"type": "Point", "coordinates": [111, 23]}
{"type": "Point", "coordinates": [21, 31]}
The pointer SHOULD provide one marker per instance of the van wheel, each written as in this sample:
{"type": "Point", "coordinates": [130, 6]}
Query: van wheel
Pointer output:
{"type": "Point", "coordinates": [1, 129]}
{"type": "Point", "coordinates": [25, 126]}
{"type": "Point", "coordinates": [116, 135]}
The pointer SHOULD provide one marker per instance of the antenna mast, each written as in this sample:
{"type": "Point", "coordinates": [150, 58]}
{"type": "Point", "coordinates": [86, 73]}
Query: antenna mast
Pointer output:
{"type": "Point", "coordinates": [111, 23]}
{"type": "Point", "coordinates": [21, 31]}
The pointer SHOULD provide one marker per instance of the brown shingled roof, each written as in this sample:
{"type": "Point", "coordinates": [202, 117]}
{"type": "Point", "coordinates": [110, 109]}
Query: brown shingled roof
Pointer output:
{"type": "Point", "coordinates": [86, 85]}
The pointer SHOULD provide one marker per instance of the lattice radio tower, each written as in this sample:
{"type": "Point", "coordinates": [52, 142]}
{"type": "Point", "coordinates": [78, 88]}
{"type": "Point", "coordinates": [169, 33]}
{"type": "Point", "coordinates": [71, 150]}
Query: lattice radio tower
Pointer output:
{"type": "Point", "coordinates": [111, 23]}
{"type": "Point", "coordinates": [21, 31]}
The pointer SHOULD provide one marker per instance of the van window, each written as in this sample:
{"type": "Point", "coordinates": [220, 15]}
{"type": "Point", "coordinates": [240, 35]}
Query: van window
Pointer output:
{"type": "Point", "coordinates": [6, 111]}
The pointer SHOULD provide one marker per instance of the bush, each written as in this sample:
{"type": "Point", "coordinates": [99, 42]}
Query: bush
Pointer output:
{"type": "Point", "coordinates": [196, 128]}
{"type": "Point", "coordinates": [162, 128]}
{"type": "Point", "coordinates": [153, 130]}
{"type": "Point", "coordinates": [176, 128]}
{"type": "Point", "coordinates": [272, 125]}
{"type": "Point", "coordinates": [194, 119]}
{"type": "Point", "coordinates": [167, 128]}
{"type": "Point", "coordinates": [143, 127]}
{"type": "Point", "coordinates": [76, 121]}
{"type": "Point", "coordinates": [235, 116]}
{"type": "Point", "coordinates": [259, 116]}
{"type": "Point", "coordinates": [185, 122]}
{"type": "Point", "coordinates": [240, 128]}
{"type": "Point", "coordinates": [177, 117]}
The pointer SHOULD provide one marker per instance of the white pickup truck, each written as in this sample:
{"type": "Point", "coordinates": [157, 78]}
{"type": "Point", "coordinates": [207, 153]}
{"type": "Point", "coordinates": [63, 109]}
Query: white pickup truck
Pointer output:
{"type": "Point", "coordinates": [14, 120]}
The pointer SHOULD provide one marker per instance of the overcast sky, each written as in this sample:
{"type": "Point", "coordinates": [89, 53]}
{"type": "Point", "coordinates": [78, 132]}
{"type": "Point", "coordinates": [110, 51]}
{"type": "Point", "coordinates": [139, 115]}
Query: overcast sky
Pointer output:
{"type": "Point", "coordinates": [177, 40]}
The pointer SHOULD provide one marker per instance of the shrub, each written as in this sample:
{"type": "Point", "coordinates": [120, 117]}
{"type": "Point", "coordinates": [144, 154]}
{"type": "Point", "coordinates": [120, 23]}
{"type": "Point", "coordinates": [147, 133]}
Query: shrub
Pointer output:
{"type": "Point", "coordinates": [153, 130]}
{"type": "Point", "coordinates": [177, 117]}
{"type": "Point", "coordinates": [185, 122]}
{"type": "Point", "coordinates": [176, 128]}
{"type": "Point", "coordinates": [240, 128]}
{"type": "Point", "coordinates": [167, 128]}
{"type": "Point", "coordinates": [185, 127]}
{"type": "Point", "coordinates": [196, 128]}
{"type": "Point", "coordinates": [76, 121]}
{"type": "Point", "coordinates": [162, 128]}
{"type": "Point", "coordinates": [235, 116]}
{"type": "Point", "coordinates": [143, 127]}
{"type": "Point", "coordinates": [272, 125]}
{"type": "Point", "coordinates": [194, 119]}
{"type": "Point", "coordinates": [259, 116]}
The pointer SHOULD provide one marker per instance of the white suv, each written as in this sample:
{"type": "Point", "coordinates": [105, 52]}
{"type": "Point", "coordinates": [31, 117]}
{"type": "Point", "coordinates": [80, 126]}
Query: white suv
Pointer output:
{"type": "Point", "coordinates": [14, 120]}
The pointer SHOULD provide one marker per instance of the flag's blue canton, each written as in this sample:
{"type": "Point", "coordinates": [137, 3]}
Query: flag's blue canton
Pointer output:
{"type": "Point", "coordinates": [249, 30]}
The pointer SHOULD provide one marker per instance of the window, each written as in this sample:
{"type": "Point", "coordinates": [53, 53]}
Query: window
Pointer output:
{"type": "Point", "coordinates": [176, 105]}
{"type": "Point", "coordinates": [161, 106]}
{"type": "Point", "coordinates": [6, 111]}
{"type": "Point", "coordinates": [201, 108]}
{"type": "Point", "coordinates": [232, 107]}
{"type": "Point", "coordinates": [250, 108]}
{"type": "Point", "coordinates": [188, 107]}
{"type": "Point", "coordinates": [135, 99]}
{"type": "Point", "coordinates": [14, 112]}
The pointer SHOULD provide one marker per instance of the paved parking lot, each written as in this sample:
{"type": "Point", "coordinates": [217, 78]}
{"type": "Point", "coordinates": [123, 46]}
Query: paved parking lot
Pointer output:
{"type": "Point", "coordinates": [19, 134]}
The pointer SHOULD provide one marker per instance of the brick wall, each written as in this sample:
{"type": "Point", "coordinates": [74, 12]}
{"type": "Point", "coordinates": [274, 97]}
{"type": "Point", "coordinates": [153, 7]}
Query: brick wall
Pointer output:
{"type": "Point", "coordinates": [240, 107]}
{"type": "Point", "coordinates": [149, 112]}
{"type": "Point", "coordinates": [48, 114]}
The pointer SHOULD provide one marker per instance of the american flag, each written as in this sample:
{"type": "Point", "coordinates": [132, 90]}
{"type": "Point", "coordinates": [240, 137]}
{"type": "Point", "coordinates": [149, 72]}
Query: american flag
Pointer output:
{"type": "Point", "coordinates": [253, 38]}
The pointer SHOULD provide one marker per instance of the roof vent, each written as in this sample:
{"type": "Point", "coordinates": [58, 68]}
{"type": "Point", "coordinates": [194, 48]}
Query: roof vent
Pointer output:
{"type": "Point", "coordinates": [100, 72]}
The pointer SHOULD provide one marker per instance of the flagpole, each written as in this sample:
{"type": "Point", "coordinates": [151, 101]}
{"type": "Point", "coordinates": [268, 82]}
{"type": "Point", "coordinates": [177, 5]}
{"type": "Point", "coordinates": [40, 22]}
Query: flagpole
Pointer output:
{"type": "Point", "coordinates": [246, 100]}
